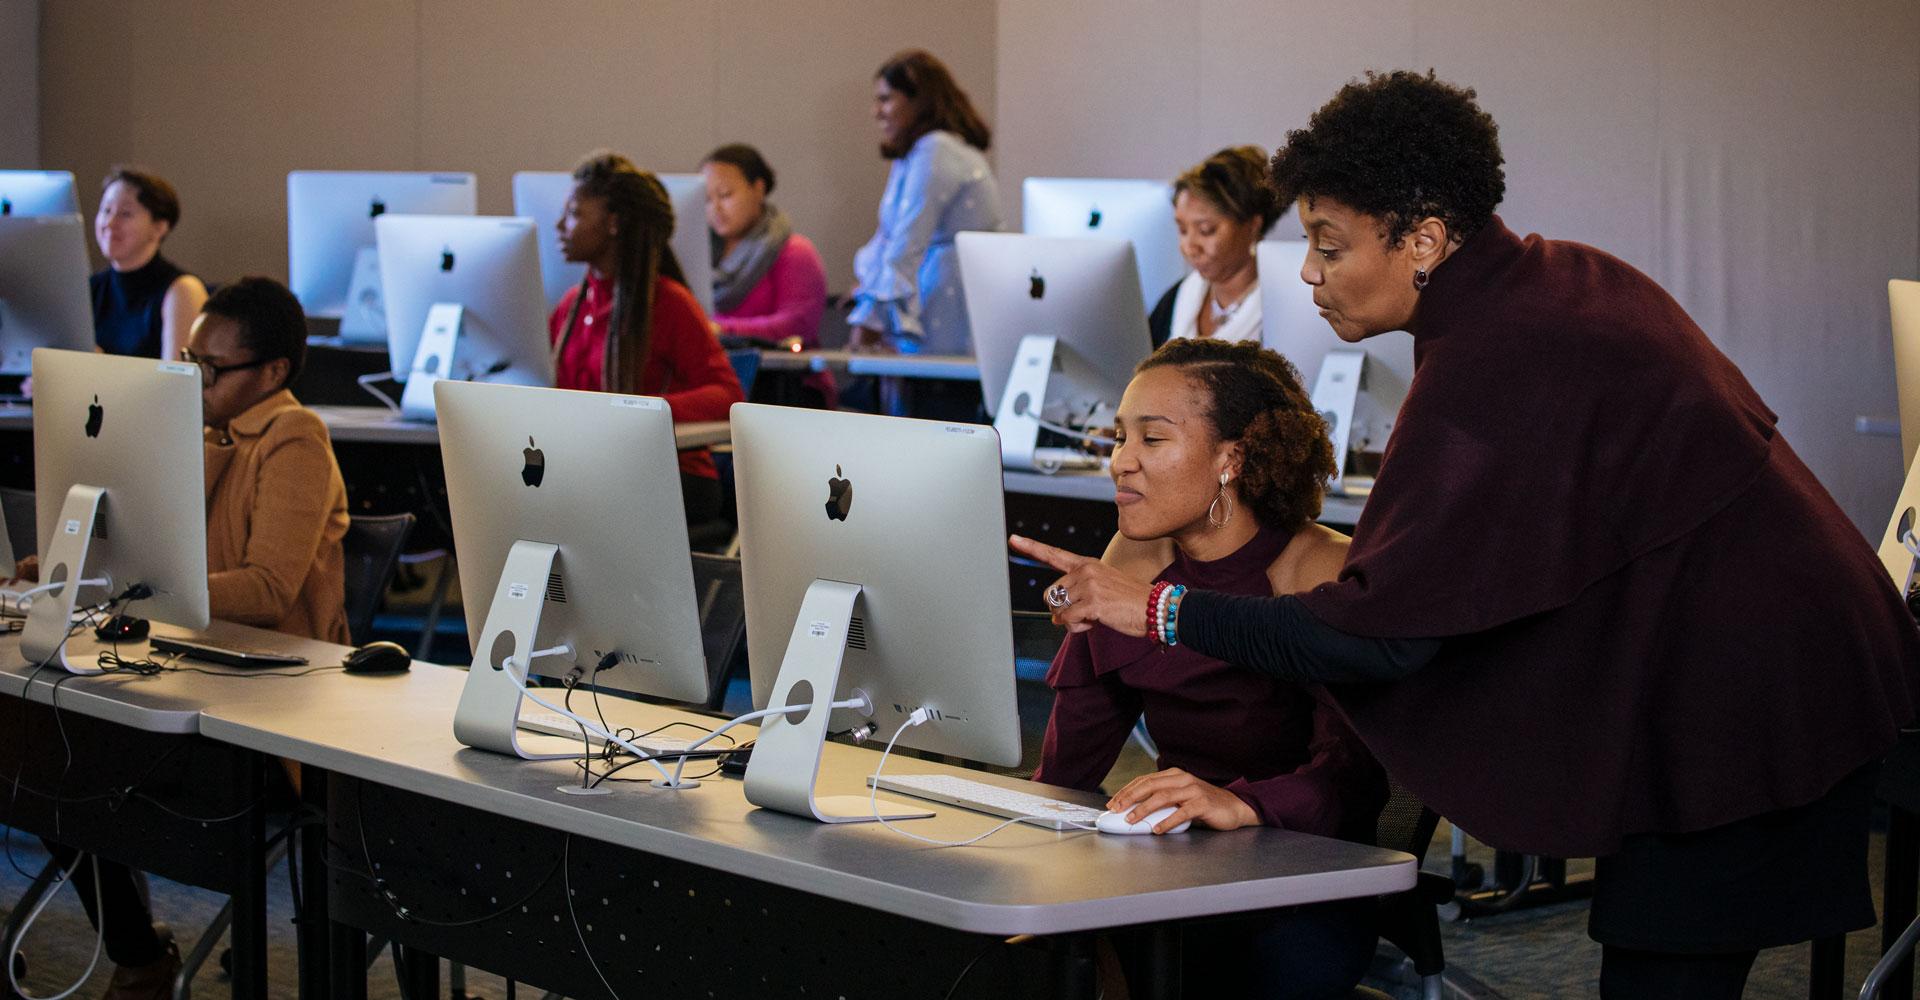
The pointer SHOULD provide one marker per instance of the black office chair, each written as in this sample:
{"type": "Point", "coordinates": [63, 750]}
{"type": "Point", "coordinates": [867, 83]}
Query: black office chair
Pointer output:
{"type": "Point", "coordinates": [723, 620]}
{"type": "Point", "coordinates": [372, 547]}
{"type": "Point", "coordinates": [1410, 920]}
{"type": "Point", "coordinates": [18, 509]}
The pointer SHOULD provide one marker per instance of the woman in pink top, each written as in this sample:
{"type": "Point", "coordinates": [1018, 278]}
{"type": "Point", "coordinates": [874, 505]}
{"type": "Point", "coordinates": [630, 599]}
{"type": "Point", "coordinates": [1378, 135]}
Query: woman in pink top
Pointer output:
{"type": "Point", "coordinates": [768, 281]}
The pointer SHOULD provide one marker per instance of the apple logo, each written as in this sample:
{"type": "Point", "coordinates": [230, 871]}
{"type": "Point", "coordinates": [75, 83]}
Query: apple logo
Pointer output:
{"type": "Point", "coordinates": [536, 467]}
{"type": "Point", "coordinates": [95, 414]}
{"type": "Point", "coordinates": [1036, 285]}
{"type": "Point", "coordinates": [446, 258]}
{"type": "Point", "coordinates": [839, 496]}
{"type": "Point", "coordinates": [377, 209]}
{"type": "Point", "coordinates": [1093, 218]}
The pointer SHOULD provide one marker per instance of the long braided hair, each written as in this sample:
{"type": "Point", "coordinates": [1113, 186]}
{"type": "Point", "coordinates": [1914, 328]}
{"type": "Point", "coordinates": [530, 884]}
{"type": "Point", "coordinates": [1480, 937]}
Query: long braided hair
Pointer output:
{"type": "Point", "coordinates": [644, 213]}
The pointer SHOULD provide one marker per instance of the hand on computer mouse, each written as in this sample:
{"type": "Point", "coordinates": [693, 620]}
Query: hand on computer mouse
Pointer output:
{"type": "Point", "coordinates": [1191, 798]}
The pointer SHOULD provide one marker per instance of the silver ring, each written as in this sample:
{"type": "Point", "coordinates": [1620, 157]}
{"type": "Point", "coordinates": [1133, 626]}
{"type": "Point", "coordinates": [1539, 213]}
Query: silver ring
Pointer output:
{"type": "Point", "coordinates": [1057, 596]}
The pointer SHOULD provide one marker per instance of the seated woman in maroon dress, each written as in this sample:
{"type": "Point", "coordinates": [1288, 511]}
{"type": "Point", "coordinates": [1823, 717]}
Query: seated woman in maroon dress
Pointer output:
{"type": "Point", "coordinates": [1596, 606]}
{"type": "Point", "coordinates": [1218, 471]}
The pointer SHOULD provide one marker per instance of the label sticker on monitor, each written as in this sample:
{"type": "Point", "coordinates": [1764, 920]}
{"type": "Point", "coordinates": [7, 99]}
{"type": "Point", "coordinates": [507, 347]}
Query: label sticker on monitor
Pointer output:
{"type": "Point", "coordinates": [637, 402]}
{"type": "Point", "coordinates": [819, 629]}
{"type": "Point", "coordinates": [516, 591]}
{"type": "Point", "coordinates": [178, 368]}
{"type": "Point", "coordinates": [73, 527]}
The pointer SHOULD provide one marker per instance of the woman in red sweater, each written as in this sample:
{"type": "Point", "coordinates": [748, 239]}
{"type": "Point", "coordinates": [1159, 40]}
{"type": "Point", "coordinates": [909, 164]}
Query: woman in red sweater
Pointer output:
{"type": "Point", "coordinates": [632, 326]}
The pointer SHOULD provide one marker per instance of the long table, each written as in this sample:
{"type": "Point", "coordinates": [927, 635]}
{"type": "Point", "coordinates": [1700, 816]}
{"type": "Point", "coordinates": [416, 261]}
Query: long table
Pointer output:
{"type": "Point", "coordinates": [951, 367]}
{"type": "Point", "coordinates": [478, 857]}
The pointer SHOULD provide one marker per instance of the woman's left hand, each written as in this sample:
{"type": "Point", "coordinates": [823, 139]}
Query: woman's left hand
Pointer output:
{"type": "Point", "coordinates": [1206, 804]}
{"type": "Point", "coordinates": [1096, 593]}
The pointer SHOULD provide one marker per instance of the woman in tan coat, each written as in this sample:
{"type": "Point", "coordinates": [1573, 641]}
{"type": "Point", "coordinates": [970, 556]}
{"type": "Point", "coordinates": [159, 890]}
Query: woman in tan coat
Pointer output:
{"type": "Point", "coordinates": [276, 511]}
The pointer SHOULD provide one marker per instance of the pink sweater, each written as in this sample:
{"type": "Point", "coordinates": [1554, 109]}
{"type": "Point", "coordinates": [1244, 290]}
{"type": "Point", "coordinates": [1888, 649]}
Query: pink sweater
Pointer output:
{"type": "Point", "coordinates": [788, 301]}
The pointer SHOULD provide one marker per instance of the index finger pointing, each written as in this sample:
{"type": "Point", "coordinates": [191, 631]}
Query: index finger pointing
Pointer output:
{"type": "Point", "coordinates": [1060, 559]}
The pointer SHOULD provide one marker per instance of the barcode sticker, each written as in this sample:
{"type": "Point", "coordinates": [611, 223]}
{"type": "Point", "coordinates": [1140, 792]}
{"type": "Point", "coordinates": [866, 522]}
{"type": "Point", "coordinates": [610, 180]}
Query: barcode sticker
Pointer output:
{"type": "Point", "coordinates": [178, 368]}
{"type": "Point", "coordinates": [637, 402]}
{"type": "Point", "coordinates": [819, 629]}
{"type": "Point", "coordinates": [516, 591]}
{"type": "Point", "coordinates": [73, 527]}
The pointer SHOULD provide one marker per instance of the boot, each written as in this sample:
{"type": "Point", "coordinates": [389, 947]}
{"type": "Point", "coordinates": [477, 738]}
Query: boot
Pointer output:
{"type": "Point", "coordinates": [152, 981]}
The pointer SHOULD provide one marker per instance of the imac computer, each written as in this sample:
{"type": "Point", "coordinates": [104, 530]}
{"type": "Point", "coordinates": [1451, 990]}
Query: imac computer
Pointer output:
{"type": "Point", "coordinates": [330, 242]}
{"type": "Point", "coordinates": [874, 560]}
{"type": "Point", "coordinates": [1903, 298]}
{"type": "Point", "coordinates": [585, 558]}
{"type": "Point", "coordinates": [541, 195]}
{"type": "Point", "coordinates": [1136, 210]}
{"type": "Point", "coordinates": [1058, 326]}
{"type": "Point", "coordinates": [37, 192]}
{"type": "Point", "coordinates": [1358, 388]}
{"type": "Point", "coordinates": [120, 498]}
{"type": "Point", "coordinates": [463, 302]}
{"type": "Point", "coordinates": [44, 296]}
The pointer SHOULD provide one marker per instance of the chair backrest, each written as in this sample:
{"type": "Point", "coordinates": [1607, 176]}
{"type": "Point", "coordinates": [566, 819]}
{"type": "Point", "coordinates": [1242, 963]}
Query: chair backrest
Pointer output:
{"type": "Point", "coordinates": [17, 507]}
{"type": "Point", "coordinates": [723, 618]}
{"type": "Point", "coordinates": [1405, 824]}
{"type": "Point", "coordinates": [746, 367]}
{"type": "Point", "coordinates": [372, 548]}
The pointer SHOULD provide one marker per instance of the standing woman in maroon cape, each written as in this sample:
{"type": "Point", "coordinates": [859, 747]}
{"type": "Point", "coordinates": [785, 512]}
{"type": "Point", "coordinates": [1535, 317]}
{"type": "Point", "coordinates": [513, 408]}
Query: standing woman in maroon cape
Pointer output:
{"type": "Point", "coordinates": [1596, 606]}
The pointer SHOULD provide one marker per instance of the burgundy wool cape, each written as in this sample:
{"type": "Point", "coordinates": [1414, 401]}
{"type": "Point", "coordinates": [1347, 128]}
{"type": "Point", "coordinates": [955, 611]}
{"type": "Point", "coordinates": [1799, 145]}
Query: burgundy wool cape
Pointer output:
{"type": "Point", "coordinates": [1654, 618]}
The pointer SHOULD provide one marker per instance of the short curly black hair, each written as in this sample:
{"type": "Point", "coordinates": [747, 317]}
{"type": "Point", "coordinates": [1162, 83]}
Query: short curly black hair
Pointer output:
{"type": "Point", "coordinates": [1255, 398]}
{"type": "Point", "coordinates": [1401, 147]}
{"type": "Point", "coordinates": [272, 324]}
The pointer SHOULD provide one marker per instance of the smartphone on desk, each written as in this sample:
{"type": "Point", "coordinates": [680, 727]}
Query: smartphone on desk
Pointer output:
{"type": "Point", "coordinates": [224, 655]}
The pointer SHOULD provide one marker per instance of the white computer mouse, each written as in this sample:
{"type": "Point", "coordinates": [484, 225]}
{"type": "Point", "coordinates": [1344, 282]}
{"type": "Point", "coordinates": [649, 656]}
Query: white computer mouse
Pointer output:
{"type": "Point", "coordinates": [1116, 822]}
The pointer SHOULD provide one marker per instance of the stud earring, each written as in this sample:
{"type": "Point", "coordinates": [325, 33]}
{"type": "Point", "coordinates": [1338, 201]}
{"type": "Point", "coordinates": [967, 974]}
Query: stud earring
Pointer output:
{"type": "Point", "coordinates": [1420, 279]}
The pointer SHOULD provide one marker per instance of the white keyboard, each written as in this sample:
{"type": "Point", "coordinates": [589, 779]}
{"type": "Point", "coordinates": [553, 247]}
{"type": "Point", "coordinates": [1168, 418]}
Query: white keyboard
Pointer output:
{"type": "Point", "coordinates": [555, 724]}
{"type": "Point", "coordinates": [992, 799]}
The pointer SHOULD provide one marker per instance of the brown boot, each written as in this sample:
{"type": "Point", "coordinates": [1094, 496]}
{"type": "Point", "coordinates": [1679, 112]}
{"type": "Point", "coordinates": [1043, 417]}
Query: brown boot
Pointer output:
{"type": "Point", "coordinates": [152, 981]}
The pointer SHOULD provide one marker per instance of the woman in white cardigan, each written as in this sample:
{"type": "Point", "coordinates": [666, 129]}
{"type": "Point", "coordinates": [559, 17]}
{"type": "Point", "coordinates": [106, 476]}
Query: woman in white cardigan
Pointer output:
{"type": "Point", "coordinates": [1223, 207]}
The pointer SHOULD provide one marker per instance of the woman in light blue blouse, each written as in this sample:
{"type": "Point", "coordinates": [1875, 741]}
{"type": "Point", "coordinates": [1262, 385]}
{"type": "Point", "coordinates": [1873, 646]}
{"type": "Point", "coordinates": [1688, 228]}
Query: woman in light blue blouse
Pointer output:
{"type": "Point", "coordinates": [908, 298]}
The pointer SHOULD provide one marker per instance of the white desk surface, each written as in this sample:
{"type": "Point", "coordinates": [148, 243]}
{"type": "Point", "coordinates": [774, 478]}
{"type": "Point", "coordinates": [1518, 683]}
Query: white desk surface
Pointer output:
{"type": "Point", "coordinates": [378, 425]}
{"type": "Point", "coordinates": [957, 367]}
{"type": "Point", "coordinates": [399, 732]}
{"type": "Point", "coordinates": [172, 702]}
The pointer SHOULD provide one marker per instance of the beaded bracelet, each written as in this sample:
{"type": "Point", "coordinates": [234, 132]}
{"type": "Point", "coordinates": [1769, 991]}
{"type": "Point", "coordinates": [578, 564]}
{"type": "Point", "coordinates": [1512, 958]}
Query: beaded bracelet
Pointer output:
{"type": "Point", "coordinates": [1170, 632]}
{"type": "Point", "coordinates": [1153, 608]}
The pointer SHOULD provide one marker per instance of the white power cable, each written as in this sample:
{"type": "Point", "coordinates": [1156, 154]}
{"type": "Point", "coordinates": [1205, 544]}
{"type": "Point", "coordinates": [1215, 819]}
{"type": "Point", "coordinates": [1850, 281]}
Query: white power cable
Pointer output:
{"type": "Point", "coordinates": [100, 932]}
{"type": "Point", "coordinates": [367, 382]}
{"type": "Point", "coordinates": [589, 724]}
{"type": "Point", "coordinates": [919, 716]}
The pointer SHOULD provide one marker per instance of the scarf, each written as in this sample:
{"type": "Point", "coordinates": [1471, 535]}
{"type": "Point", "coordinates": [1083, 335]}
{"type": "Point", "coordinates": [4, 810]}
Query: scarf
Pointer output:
{"type": "Point", "coordinates": [736, 273]}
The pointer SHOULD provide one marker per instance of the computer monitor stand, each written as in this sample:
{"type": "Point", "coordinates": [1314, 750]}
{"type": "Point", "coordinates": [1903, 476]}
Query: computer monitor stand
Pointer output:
{"type": "Point", "coordinates": [365, 318]}
{"type": "Point", "coordinates": [43, 639]}
{"type": "Point", "coordinates": [488, 715]}
{"type": "Point", "coordinates": [786, 753]}
{"type": "Point", "coordinates": [1019, 419]}
{"type": "Point", "coordinates": [1336, 395]}
{"type": "Point", "coordinates": [432, 360]}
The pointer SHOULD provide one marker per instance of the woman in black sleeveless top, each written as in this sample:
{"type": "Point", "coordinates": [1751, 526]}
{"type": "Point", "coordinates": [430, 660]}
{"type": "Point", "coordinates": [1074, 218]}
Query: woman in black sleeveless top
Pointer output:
{"type": "Point", "coordinates": [143, 304]}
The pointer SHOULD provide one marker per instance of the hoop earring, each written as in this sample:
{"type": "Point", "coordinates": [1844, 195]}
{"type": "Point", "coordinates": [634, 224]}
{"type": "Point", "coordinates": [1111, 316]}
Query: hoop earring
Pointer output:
{"type": "Point", "coordinates": [1222, 495]}
{"type": "Point", "coordinates": [1420, 279]}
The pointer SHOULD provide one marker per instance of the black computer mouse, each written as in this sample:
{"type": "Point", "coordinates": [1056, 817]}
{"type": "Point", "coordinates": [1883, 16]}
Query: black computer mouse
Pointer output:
{"type": "Point", "coordinates": [122, 628]}
{"type": "Point", "coordinates": [378, 658]}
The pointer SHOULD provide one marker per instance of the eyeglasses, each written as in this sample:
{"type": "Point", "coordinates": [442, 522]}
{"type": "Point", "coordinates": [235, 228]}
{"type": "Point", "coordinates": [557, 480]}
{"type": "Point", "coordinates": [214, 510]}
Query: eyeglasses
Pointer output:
{"type": "Point", "coordinates": [210, 372]}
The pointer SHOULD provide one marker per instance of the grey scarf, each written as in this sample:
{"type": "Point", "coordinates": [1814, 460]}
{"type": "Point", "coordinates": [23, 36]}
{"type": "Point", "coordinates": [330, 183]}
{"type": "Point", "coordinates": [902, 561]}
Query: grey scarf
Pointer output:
{"type": "Point", "coordinates": [735, 274]}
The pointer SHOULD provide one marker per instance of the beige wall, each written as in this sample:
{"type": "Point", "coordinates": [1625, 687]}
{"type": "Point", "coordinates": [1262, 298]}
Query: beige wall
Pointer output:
{"type": "Point", "coordinates": [225, 98]}
{"type": "Point", "coordinates": [19, 84]}
{"type": "Point", "coordinates": [1759, 158]}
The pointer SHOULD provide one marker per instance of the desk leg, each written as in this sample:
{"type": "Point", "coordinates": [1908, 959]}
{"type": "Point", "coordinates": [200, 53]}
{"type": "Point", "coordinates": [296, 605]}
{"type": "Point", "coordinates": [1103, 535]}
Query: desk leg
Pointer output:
{"type": "Point", "coordinates": [1827, 975]}
{"type": "Point", "coordinates": [347, 961]}
{"type": "Point", "coordinates": [250, 895]}
{"type": "Point", "coordinates": [1901, 880]}
{"type": "Point", "coordinates": [1160, 964]}
{"type": "Point", "coordinates": [1075, 973]}
{"type": "Point", "coordinates": [311, 922]}
{"type": "Point", "coordinates": [419, 970]}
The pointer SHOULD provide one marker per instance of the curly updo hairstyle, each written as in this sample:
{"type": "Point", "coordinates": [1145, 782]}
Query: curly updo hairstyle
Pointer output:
{"type": "Point", "coordinates": [1400, 147]}
{"type": "Point", "coordinates": [1234, 180]}
{"type": "Point", "coordinates": [1255, 398]}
